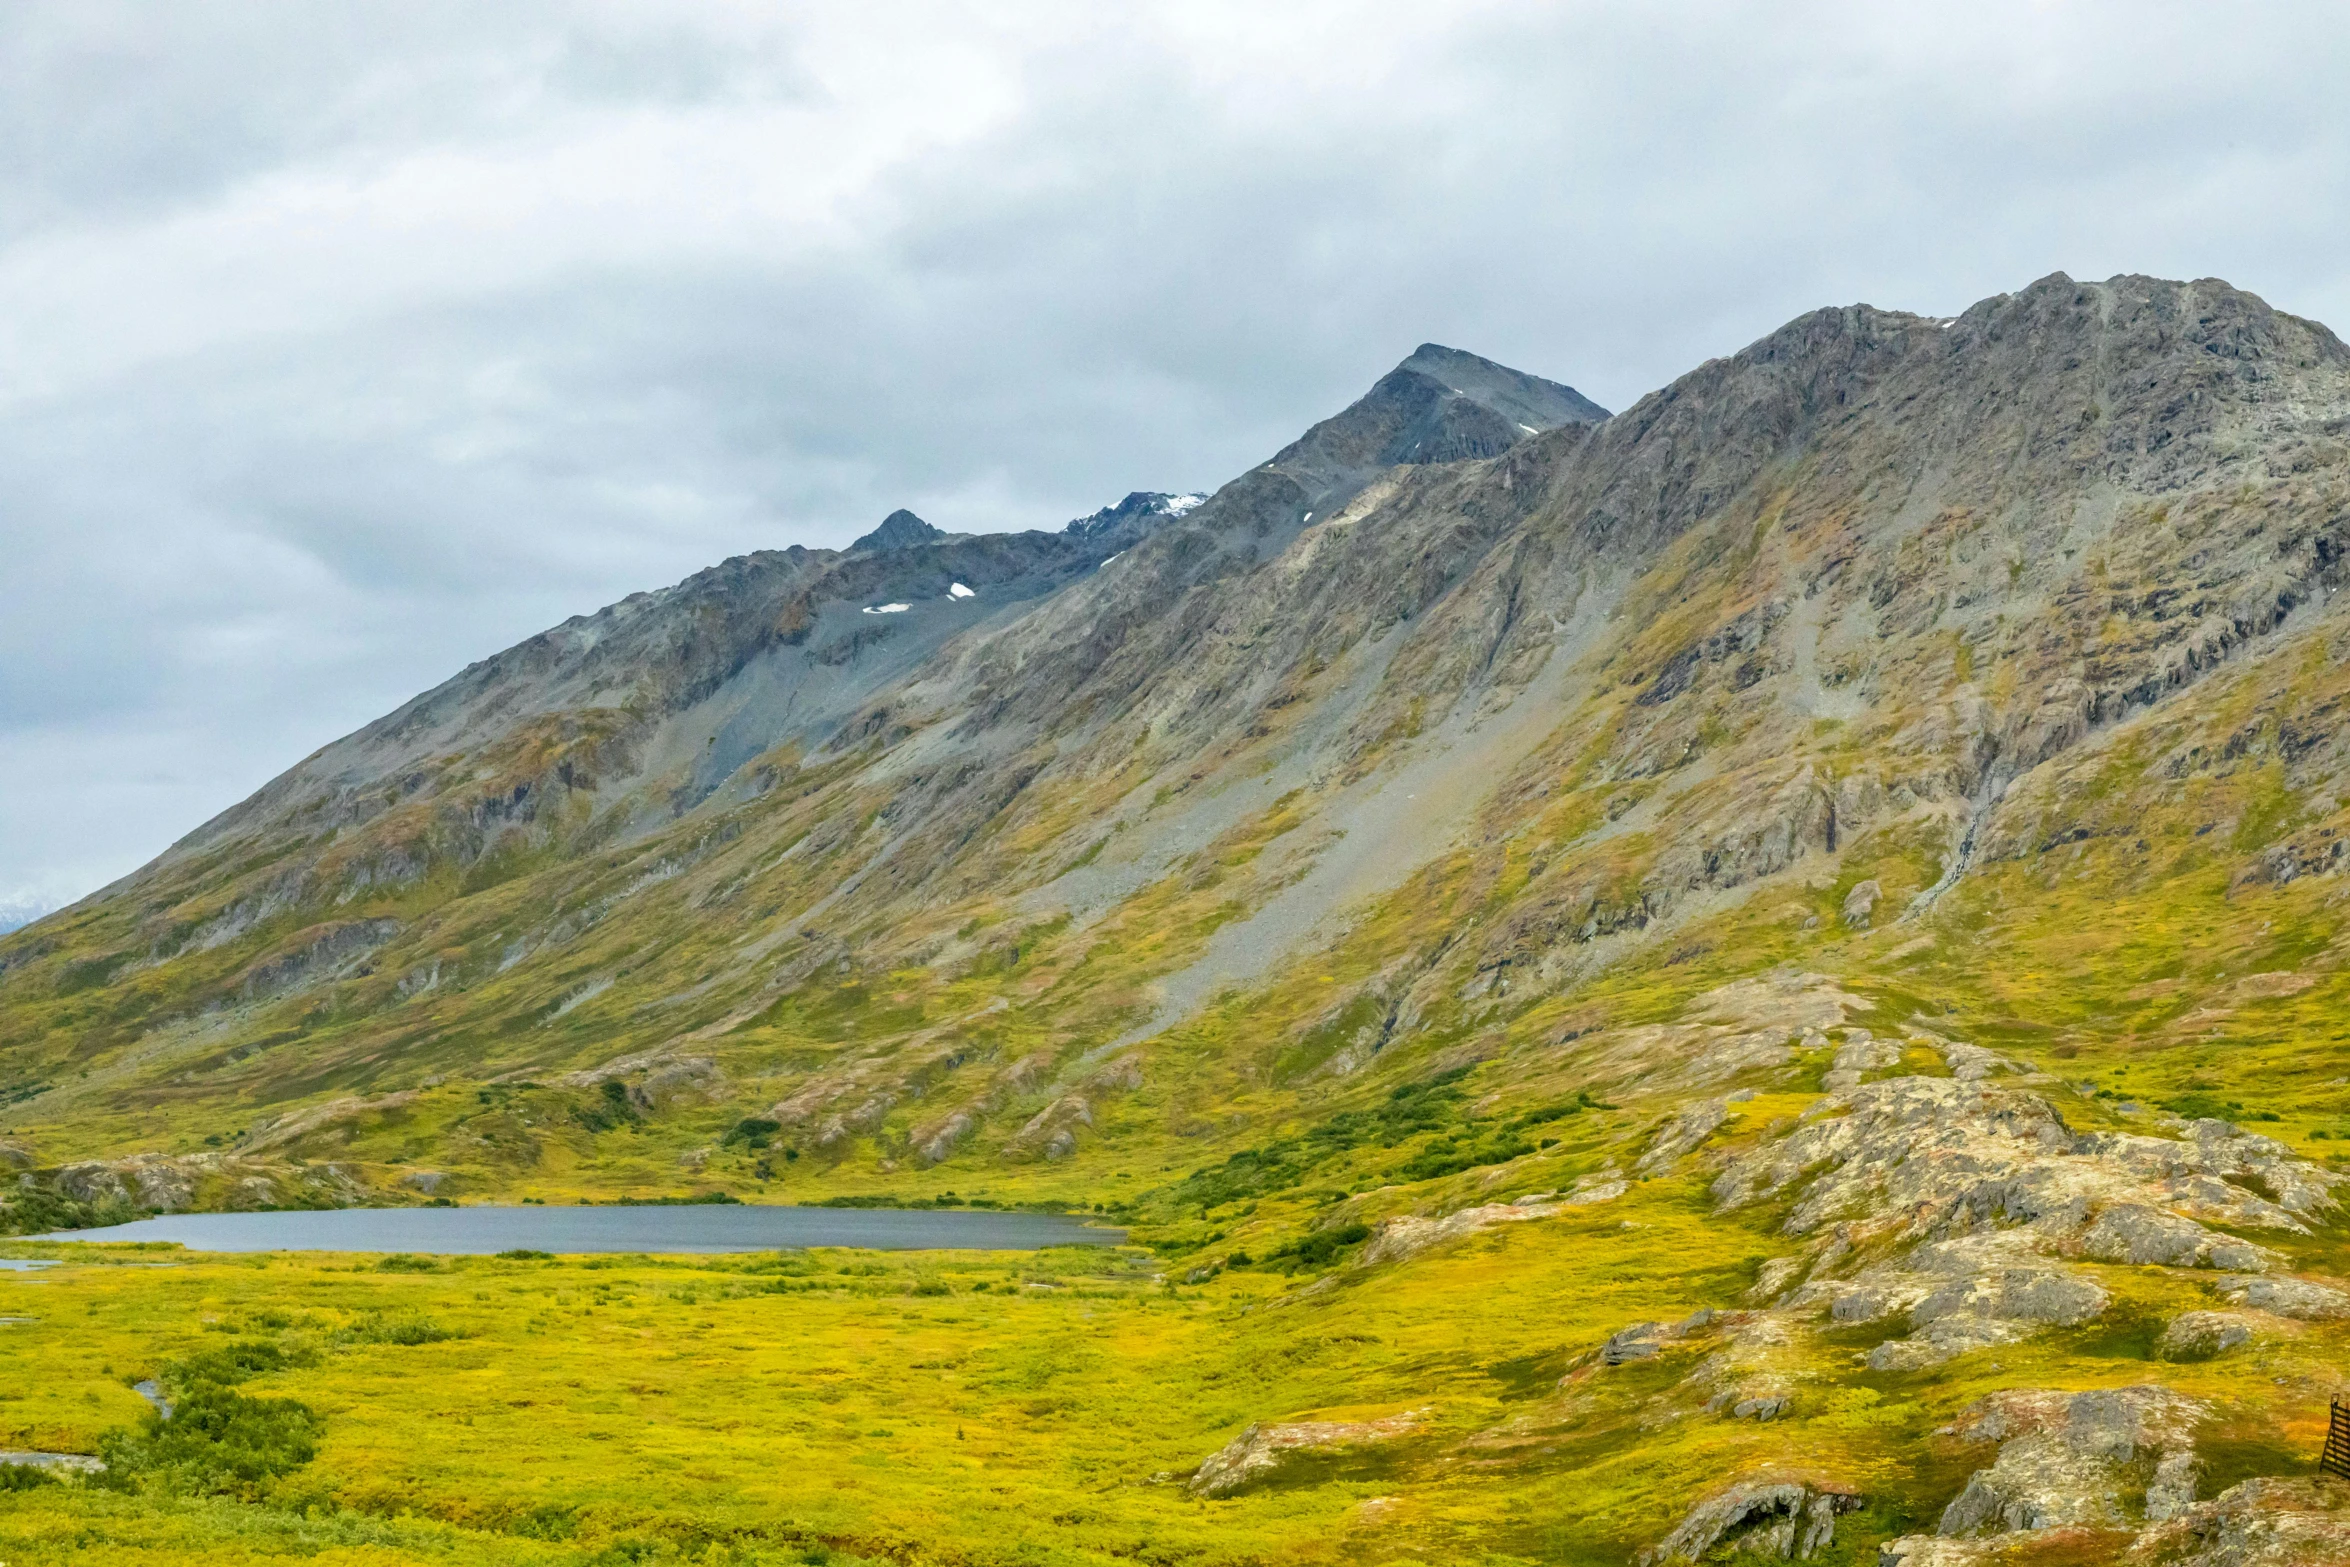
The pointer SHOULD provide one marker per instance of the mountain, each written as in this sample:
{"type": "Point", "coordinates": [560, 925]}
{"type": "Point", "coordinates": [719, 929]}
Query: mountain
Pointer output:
{"type": "Point", "coordinates": [1829, 877]}
{"type": "Point", "coordinates": [1139, 506]}
{"type": "Point", "coordinates": [901, 529]}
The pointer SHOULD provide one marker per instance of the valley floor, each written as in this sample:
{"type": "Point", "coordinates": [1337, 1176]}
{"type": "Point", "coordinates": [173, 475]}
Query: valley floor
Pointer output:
{"type": "Point", "coordinates": [1042, 1407]}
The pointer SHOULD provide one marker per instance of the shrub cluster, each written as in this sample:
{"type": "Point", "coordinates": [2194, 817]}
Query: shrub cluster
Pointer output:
{"type": "Point", "coordinates": [1410, 1110]}
{"type": "Point", "coordinates": [216, 1442]}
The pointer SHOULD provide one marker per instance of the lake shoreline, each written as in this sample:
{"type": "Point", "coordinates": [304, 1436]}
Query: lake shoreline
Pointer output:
{"type": "Point", "coordinates": [650, 1229]}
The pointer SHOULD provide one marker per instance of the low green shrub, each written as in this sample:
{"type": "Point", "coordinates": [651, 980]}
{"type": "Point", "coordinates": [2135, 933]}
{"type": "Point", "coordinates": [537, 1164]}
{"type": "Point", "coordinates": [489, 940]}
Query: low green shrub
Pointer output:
{"type": "Point", "coordinates": [216, 1442]}
{"type": "Point", "coordinates": [404, 1262]}
{"type": "Point", "coordinates": [229, 1365]}
{"type": "Point", "coordinates": [1317, 1250]}
{"type": "Point", "coordinates": [394, 1327]}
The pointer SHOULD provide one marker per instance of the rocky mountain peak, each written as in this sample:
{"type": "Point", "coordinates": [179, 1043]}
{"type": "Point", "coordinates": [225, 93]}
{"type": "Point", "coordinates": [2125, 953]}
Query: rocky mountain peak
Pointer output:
{"type": "Point", "coordinates": [1142, 506]}
{"type": "Point", "coordinates": [899, 530]}
{"type": "Point", "coordinates": [1529, 401]}
{"type": "Point", "coordinates": [1439, 405]}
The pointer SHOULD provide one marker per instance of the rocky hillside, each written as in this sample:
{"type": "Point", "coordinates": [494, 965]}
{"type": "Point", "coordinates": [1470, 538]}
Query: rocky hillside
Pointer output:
{"type": "Point", "coordinates": [1871, 812]}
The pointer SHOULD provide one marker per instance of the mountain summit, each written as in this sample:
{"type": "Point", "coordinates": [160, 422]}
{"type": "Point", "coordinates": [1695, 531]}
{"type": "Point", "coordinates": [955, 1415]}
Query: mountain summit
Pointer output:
{"type": "Point", "coordinates": [1811, 907]}
{"type": "Point", "coordinates": [901, 529]}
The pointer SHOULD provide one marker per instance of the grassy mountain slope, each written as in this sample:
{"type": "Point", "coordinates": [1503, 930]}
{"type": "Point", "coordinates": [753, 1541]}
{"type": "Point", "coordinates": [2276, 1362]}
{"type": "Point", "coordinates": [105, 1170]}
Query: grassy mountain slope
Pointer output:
{"type": "Point", "coordinates": [1850, 841]}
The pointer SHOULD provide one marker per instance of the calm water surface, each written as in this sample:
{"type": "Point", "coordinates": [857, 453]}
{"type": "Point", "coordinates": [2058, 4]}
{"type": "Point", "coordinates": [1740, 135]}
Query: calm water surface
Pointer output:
{"type": "Point", "coordinates": [480, 1231]}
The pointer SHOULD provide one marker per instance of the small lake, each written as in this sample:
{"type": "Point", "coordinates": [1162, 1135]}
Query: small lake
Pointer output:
{"type": "Point", "coordinates": [715, 1228]}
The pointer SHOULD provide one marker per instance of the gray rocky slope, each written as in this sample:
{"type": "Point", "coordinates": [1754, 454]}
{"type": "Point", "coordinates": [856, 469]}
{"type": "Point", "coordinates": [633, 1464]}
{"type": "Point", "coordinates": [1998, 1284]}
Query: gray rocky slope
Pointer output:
{"type": "Point", "coordinates": [1741, 622]}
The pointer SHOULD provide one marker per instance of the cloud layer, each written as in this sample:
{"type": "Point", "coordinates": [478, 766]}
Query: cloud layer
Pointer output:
{"type": "Point", "coordinates": [345, 345]}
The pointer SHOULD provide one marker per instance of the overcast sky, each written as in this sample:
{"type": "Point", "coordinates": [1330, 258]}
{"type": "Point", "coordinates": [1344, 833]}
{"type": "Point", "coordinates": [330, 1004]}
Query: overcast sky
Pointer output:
{"type": "Point", "coordinates": [343, 344]}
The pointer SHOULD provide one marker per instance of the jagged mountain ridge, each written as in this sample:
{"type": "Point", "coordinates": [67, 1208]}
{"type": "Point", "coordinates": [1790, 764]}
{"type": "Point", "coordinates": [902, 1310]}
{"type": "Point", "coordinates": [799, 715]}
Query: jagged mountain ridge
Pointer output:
{"type": "Point", "coordinates": [1716, 573]}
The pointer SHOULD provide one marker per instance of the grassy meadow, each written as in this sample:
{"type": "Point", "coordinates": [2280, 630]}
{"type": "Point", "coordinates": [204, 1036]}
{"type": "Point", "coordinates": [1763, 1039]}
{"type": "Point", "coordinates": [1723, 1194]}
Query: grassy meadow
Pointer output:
{"type": "Point", "coordinates": [964, 1407]}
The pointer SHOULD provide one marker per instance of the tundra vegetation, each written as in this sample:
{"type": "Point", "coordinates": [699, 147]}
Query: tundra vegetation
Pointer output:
{"type": "Point", "coordinates": [1762, 974]}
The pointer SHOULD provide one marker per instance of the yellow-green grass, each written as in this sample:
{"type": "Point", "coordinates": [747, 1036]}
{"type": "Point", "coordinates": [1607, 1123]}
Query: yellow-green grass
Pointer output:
{"type": "Point", "coordinates": [883, 1405]}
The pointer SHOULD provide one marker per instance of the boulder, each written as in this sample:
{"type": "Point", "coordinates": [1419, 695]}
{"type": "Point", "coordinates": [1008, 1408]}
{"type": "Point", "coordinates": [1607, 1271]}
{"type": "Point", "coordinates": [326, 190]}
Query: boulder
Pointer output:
{"type": "Point", "coordinates": [1640, 1341]}
{"type": "Point", "coordinates": [2199, 1335]}
{"type": "Point", "coordinates": [1787, 1519]}
{"type": "Point", "coordinates": [2296, 1298]}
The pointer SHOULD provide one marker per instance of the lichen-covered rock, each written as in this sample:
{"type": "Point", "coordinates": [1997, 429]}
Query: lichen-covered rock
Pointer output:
{"type": "Point", "coordinates": [1644, 1339]}
{"type": "Point", "coordinates": [1051, 1133]}
{"type": "Point", "coordinates": [1637, 1342]}
{"type": "Point", "coordinates": [1683, 1133]}
{"type": "Point", "coordinates": [2199, 1335]}
{"type": "Point", "coordinates": [2268, 1522]}
{"type": "Point", "coordinates": [935, 1141]}
{"type": "Point", "coordinates": [2063, 1459]}
{"type": "Point", "coordinates": [1960, 1295]}
{"type": "Point", "coordinates": [1859, 1055]}
{"type": "Point", "coordinates": [1408, 1235]}
{"type": "Point", "coordinates": [1787, 1519]}
{"type": "Point", "coordinates": [1952, 1156]}
{"type": "Point", "coordinates": [2132, 1232]}
{"type": "Point", "coordinates": [2036, 1295]}
{"type": "Point", "coordinates": [2297, 1298]}
{"type": "Point", "coordinates": [1253, 1456]}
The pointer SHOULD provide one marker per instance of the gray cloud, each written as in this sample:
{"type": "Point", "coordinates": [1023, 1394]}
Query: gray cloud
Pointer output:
{"type": "Point", "coordinates": [347, 345]}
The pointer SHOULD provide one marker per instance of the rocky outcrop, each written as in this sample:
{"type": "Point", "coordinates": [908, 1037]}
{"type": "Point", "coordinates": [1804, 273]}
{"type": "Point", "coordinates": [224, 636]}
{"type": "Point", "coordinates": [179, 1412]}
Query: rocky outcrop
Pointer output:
{"type": "Point", "coordinates": [1051, 1133]}
{"type": "Point", "coordinates": [1682, 1134]}
{"type": "Point", "coordinates": [1787, 1520]}
{"type": "Point", "coordinates": [160, 1183]}
{"type": "Point", "coordinates": [1950, 1154]}
{"type": "Point", "coordinates": [656, 1079]}
{"type": "Point", "coordinates": [2303, 1299]}
{"type": "Point", "coordinates": [1262, 1451]}
{"type": "Point", "coordinates": [1859, 1055]}
{"type": "Point", "coordinates": [2133, 1232]}
{"type": "Point", "coordinates": [2064, 1459]}
{"type": "Point", "coordinates": [2275, 1521]}
{"type": "Point", "coordinates": [1408, 1235]}
{"type": "Point", "coordinates": [2200, 1335]}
